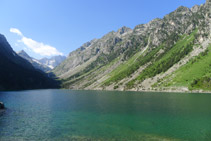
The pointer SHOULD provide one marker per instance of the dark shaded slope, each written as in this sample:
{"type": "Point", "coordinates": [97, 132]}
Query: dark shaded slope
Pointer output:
{"type": "Point", "coordinates": [34, 62]}
{"type": "Point", "coordinates": [18, 74]}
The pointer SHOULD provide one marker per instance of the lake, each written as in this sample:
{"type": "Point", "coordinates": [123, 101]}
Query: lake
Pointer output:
{"type": "Point", "coordinates": [104, 115]}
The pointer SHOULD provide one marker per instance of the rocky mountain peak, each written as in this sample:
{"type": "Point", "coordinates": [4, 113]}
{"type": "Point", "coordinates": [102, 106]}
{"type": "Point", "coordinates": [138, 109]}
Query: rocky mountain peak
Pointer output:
{"type": "Point", "coordinates": [22, 51]}
{"type": "Point", "coordinates": [4, 45]}
{"type": "Point", "coordinates": [23, 54]}
{"type": "Point", "coordinates": [195, 8]}
{"type": "Point", "coordinates": [87, 44]}
{"type": "Point", "coordinates": [123, 30]}
{"type": "Point", "coordinates": [182, 9]}
{"type": "Point", "coordinates": [53, 61]}
{"type": "Point", "coordinates": [2, 38]}
{"type": "Point", "coordinates": [84, 46]}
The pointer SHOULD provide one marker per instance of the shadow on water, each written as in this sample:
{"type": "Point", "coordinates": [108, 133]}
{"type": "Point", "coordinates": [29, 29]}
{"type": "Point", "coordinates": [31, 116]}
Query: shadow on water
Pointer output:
{"type": "Point", "coordinates": [47, 81]}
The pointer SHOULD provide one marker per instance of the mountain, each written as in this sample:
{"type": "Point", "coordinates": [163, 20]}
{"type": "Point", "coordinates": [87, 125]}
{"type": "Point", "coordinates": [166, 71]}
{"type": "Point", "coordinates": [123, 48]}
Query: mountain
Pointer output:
{"type": "Point", "coordinates": [33, 61]}
{"type": "Point", "coordinates": [44, 64]}
{"type": "Point", "coordinates": [17, 73]}
{"type": "Point", "coordinates": [169, 54]}
{"type": "Point", "coordinates": [53, 61]}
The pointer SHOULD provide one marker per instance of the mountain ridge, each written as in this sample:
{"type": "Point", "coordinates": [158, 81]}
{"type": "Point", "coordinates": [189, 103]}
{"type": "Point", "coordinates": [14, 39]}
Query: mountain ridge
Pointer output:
{"type": "Point", "coordinates": [53, 61]}
{"type": "Point", "coordinates": [149, 49]}
{"type": "Point", "coordinates": [33, 61]}
{"type": "Point", "coordinates": [44, 64]}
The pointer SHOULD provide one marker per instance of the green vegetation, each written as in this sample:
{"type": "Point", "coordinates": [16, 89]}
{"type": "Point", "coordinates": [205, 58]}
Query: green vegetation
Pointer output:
{"type": "Point", "coordinates": [129, 67]}
{"type": "Point", "coordinates": [202, 83]}
{"type": "Point", "coordinates": [196, 74]}
{"type": "Point", "coordinates": [171, 56]}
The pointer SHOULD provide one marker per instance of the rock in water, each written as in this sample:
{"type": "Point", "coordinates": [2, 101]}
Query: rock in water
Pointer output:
{"type": "Point", "coordinates": [2, 105]}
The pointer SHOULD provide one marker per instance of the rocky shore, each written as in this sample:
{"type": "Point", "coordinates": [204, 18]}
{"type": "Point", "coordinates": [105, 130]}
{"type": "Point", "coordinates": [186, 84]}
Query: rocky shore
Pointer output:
{"type": "Point", "coordinates": [2, 105]}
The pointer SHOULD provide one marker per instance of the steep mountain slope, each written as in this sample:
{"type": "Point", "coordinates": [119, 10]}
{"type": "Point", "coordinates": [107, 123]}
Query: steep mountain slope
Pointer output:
{"type": "Point", "coordinates": [53, 61]}
{"type": "Point", "coordinates": [17, 73]}
{"type": "Point", "coordinates": [142, 58]}
{"type": "Point", "coordinates": [33, 61]}
{"type": "Point", "coordinates": [89, 52]}
{"type": "Point", "coordinates": [195, 74]}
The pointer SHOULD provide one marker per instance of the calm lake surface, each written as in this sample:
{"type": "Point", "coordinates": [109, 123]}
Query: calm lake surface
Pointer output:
{"type": "Point", "coordinates": [101, 115]}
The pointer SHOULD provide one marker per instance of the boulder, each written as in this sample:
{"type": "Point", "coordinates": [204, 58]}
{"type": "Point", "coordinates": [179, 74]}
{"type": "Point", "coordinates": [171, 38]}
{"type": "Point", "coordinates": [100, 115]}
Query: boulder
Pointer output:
{"type": "Point", "coordinates": [2, 105]}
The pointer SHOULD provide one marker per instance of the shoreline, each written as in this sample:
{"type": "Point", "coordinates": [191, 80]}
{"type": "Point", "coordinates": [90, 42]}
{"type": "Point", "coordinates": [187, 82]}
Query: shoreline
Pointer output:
{"type": "Point", "coordinates": [130, 90]}
{"type": "Point", "coordinates": [175, 91]}
{"type": "Point", "coordinates": [151, 90]}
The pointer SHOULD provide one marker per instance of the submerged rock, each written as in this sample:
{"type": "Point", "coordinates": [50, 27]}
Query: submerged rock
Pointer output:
{"type": "Point", "coordinates": [2, 105]}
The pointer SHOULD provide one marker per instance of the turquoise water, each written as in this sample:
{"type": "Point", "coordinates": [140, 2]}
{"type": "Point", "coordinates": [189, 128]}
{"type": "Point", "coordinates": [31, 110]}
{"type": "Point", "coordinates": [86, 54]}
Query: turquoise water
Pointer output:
{"type": "Point", "coordinates": [101, 115]}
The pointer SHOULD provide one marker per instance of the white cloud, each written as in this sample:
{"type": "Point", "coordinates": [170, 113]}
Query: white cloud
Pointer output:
{"type": "Point", "coordinates": [15, 30]}
{"type": "Point", "coordinates": [37, 47]}
{"type": "Point", "coordinates": [40, 48]}
{"type": "Point", "coordinates": [16, 45]}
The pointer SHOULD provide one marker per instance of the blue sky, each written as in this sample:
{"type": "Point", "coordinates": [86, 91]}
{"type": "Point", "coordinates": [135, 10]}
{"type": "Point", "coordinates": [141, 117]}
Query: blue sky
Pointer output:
{"type": "Point", "coordinates": [51, 27]}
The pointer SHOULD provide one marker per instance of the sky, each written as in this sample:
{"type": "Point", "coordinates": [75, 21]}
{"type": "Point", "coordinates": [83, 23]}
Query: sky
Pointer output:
{"type": "Point", "coordinates": [45, 28]}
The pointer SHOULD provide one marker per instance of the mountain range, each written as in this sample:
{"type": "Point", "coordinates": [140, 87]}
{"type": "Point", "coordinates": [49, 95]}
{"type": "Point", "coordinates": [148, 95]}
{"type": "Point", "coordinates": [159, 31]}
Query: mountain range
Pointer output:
{"type": "Point", "coordinates": [44, 64]}
{"type": "Point", "coordinates": [53, 61]}
{"type": "Point", "coordinates": [168, 54]}
{"type": "Point", "coordinates": [33, 61]}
